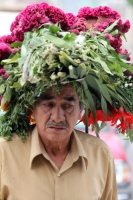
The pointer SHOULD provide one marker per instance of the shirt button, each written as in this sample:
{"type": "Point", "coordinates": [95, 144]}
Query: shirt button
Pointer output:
{"type": "Point", "coordinates": [58, 175]}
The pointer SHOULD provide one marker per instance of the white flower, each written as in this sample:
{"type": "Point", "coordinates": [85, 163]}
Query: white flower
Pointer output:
{"type": "Point", "coordinates": [79, 40]}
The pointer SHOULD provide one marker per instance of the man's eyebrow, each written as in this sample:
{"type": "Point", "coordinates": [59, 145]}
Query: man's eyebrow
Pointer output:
{"type": "Point", "coordinates": [70, 98]}
{"type": "Point", "coordinates": [47, 97]}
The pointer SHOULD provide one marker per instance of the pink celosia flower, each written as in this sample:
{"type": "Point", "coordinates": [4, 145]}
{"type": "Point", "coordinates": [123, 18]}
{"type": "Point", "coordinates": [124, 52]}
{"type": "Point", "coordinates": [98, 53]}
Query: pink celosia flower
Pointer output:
{"type": "Point", "coordinates": [116, 43]}
{"type": "Point", "coordinates": [87, 13]}
{"type": "Point", "coordinates": [7, 39]}
{"type": "Point", "coordinates": [35, 15]}
{"type": "Point", "coordinates": [74, 31]}
{"type": "Point", "coordinates": [5, 51]}
{"type": "Point", "coordinates": [19, 35]}
{"type": "Point", "coordinates": [71, 19]}
{"type": "Point", "coordinates": [105, 11]}
{"type": "Point", "coordinates": [109, 37]}
{"type": "Point", "coordinates": [124, 27]}
{"type": "Point", "coordinates": [57, 15]}
{"type": "Point", "coordinates": [81, 24]}
{"type": "Point", "coordinates": [2, 71]}
{"type": "Point", "coordinates": [6, 76]}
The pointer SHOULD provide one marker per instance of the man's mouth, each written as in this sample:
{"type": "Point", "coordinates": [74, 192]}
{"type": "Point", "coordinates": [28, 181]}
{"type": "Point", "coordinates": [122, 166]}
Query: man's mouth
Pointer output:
{"type": "Point", "coordinates": [57, 127]}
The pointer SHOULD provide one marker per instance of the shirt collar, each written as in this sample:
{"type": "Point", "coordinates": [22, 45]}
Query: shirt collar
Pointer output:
{"type": "Point", "coordinates": [76, 150]}
{"type": "Point", "coordinates": [36, 145]}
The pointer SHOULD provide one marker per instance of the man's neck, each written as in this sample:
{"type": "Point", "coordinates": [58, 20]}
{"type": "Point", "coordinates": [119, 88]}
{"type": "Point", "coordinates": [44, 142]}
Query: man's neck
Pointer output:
{"type": "Point", "coordinates": [57, 151]}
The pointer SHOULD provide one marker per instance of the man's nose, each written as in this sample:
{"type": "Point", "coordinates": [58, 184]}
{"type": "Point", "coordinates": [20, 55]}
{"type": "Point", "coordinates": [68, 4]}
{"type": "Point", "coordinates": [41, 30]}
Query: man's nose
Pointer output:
{"type": "Point", "coordinates": [58, 114]}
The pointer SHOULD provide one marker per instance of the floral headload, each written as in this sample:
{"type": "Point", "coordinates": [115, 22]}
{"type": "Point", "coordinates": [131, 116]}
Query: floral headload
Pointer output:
{"type": "Point", "coordinates": [48, 47]}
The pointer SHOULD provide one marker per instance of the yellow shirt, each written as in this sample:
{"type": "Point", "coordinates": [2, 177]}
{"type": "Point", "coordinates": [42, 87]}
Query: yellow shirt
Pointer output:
{"type": "Point", "coordinates": [27, 172]}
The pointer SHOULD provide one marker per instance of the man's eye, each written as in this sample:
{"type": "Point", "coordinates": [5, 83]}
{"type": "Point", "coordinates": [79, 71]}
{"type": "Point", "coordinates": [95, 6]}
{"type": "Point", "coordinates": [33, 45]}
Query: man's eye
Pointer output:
{"type": "Point", "coordinates": [48, 105]}
{"type": "Point", "coordinates": [68, 108]}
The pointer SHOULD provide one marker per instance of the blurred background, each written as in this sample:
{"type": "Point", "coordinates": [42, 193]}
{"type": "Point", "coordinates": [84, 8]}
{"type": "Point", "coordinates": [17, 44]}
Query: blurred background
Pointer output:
{"type": "Point", "coordinates": [121, 149]}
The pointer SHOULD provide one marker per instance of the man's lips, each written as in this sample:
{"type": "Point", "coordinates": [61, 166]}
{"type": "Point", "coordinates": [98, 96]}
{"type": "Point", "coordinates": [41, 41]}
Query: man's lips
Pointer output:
{"type": "Point", "coordinates": [56, 127]}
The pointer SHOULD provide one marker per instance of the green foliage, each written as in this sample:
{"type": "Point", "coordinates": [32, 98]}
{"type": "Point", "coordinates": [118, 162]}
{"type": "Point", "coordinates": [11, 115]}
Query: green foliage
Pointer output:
{"type": "Point", "coordinates": [49, 56]}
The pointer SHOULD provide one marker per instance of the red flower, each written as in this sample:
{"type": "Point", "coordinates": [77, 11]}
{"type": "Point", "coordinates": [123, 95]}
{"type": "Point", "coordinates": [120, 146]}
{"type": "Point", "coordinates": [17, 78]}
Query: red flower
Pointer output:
{"type": "Point", "coordinates": [124, 118]}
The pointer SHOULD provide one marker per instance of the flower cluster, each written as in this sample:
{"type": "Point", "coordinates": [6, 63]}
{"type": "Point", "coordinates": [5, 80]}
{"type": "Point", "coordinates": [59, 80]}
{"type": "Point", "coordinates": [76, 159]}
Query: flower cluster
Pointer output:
{"type": "Point", "coordinates": [124, 119]}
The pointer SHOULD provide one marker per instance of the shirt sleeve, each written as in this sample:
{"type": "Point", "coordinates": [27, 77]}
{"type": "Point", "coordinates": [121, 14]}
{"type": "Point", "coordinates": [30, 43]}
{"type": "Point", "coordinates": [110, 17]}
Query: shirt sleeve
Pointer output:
{"type": "Point", "coordinates": [110, 190]}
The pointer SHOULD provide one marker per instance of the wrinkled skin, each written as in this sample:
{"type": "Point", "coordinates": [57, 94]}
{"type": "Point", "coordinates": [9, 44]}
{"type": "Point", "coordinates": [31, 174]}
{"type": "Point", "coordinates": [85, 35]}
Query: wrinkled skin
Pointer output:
{"type": "Point", "coordinates": [56, 116]}
{"type": "Point", "coordinates": [62, 110]}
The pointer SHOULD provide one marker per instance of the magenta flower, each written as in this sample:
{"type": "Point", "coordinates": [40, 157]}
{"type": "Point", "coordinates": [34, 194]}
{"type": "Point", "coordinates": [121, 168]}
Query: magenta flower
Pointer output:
{"type": "Point", "coordinates": [57, 15]}
{"type": "Point", "coordinates": [71, 19]}
{"type": "Point", "coordinates": [6, 76]}
{"type": "Point", "coordinates": [8, 39]}
{"type": "Point", "coordinates": [124, 27]}
{"type": "Point", "coordinates": [116, 43]}
{"type": "Point", "coordinates": [109, 37]}
{"type": "Point", "coordinates": [105, 11]}
{"type": "Point", "coordinates": [81, 24]}
{"type": "Point", "coordinates": [88, 13]}
{"type": "Point", "coordinates": [5, 51]}
{"type": "Point", "coordinates": [2, 71]}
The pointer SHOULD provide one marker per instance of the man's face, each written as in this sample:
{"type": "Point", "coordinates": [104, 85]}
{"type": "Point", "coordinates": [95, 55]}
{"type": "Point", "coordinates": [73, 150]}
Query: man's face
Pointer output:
{"type": "Point", "coordinates": [57, 114]}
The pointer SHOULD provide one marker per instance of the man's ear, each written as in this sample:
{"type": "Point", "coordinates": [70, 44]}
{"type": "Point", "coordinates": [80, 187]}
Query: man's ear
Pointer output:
{"type": "Point", "coordinates": [31, 111]}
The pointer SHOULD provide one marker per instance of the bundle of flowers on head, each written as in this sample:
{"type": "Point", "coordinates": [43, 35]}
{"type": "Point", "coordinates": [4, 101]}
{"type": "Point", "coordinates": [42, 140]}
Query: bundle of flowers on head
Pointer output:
{"type": "Point", "coordinates": [48, 47]}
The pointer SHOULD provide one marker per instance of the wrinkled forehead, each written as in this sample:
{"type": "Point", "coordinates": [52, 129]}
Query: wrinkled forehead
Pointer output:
{"type": "Point", "coordinates": [66, 92]}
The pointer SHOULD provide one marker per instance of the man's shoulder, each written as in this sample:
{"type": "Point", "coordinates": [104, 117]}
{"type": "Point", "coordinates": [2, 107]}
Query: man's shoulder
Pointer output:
{"type": "Point", "coordinates": [93, 142]}
{"type": "Point", "coordinates": [14, 140]}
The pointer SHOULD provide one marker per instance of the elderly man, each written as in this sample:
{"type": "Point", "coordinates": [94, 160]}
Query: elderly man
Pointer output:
{"type": "Point", "coordinates": [54, 65]}
{"type": "Point", "coordinates": [57, 162]}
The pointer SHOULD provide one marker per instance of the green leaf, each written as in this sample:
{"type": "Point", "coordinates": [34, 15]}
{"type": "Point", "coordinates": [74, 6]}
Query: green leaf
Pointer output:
{"type": "Point", "coordinates": [16, 85]}
{"type": "Point", "coordinates": [110, 28]}
{"type": "Point", "coordinates": [91, 82]}
{"type": "Point", "coordinates": [58, 42]}
{"type": "Point", "coordinates": [6, 96]}
{"type": "Point", "coordinates": [2, 89]}
{"type": "Point", "coordinates": [54, 29]}
{"type": "Point", "coordinates": [35, 42]}
{"type": "Point", "coordinates": [104, 106]}
{"type": "Point", "coordinates": [16, 44]}
{"type": "Point", "coordinates": [89, 100]}
{"type": "Point", "coordinates": [14, 59]}
{"type": "Point", "coordinates": [123, 94]}
{"type": "Point", "coordinates": [67, 58]}
{"type": "Point", "coordinates": [127, 66]}
{"type": "Point", "coordinates": [82, 71]}
{"type": "Point", "coordinates": [104, 42]}
{"type": "Point", "coordinates": [105, 92]}
{"type": "Point", "coordinates": [101, 62]}
{"type": "Point", "coordinates": [70, 37]}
